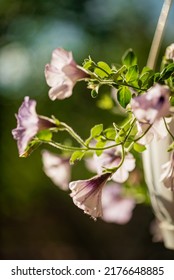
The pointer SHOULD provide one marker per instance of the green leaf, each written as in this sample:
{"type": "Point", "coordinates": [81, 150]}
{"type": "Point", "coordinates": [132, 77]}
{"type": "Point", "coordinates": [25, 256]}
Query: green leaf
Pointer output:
{"type": "Point", "coordinates": [110, 133]}
{"type": "Point", "coordinates": [45, 135]}
{"type": "Point", "coordinates": [132, 74]}
{"type": "Point", "coordinates": [77, 155]}
{"type": "Point", "coordinates": [129, 58]}
{"type": "Point", "coordinates": [104, 66]}
{"type": "Point", "coordinates": [167, 71]}
{"type": "Point", "coordinates": [139, 147]}
{"type": "Point", "coordinates": [118, 74]}
{"type": "Point", "coordinates": [33, 145]}
{"type": "Point", "coordinates": [88, 64]}
{"type": "Point", "coordinates": [124, 96]}
{"type": "Point", "coordinates": [146, 77]}
{"type": "Point", "coordinates": [100, 144]}
{"type": "Point", "coordinates": [104, 70]}
{"type": "Point", "coordinates": [157, 77]}
{"type": "Point", "coordinates": [96, 130]}
{"type": "Point", "coordinates": [94, 93]}
{"type": "Point", "coordinates": [146, 69]}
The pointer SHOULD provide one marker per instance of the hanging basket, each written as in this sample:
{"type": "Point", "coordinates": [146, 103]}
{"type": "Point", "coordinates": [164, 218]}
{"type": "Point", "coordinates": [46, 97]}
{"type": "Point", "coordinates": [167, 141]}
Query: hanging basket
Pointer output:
{"type": "Point", "coordinates": [162, 199]}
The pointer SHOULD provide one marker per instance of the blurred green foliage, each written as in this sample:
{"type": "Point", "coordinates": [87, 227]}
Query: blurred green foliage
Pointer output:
{"type": "Point", "coordinates": [39, 221]}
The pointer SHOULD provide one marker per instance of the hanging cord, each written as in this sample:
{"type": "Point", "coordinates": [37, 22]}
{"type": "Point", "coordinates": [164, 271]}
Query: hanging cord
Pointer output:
{"type": "Point", "coordinates": [158, 36]}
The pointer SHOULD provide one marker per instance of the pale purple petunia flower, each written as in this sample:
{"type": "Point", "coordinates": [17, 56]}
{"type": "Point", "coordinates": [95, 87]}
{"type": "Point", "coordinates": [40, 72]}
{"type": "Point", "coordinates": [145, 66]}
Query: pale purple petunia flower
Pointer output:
{"type": "Point", "coordinates": [57, 168]}
{"type": "Point", "coordinates": [111, 158]}
{"type": "Point", "coordinates": [116, 207]}
{"type": "Point", "coordinates": [167, 175]}
{"type": "Point", "coordinates": [152, 105]}
{"type": "Point", "coordinates": [28, 124]}
{"type": "Point", "coordinates": [62, 74]}
{"type": "Point", "coordinates": [86, 194]}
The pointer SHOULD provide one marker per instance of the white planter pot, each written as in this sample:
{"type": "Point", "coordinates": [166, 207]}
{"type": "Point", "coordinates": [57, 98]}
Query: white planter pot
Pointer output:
{"type": "Point", "coordinates": [162, 199]}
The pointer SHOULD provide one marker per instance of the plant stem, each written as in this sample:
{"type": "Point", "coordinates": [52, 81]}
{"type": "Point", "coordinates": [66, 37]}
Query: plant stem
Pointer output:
{"type": "Point", "coordinates": [168, 129]}
{"type": "Point", "coordinates": [63, 147]}
{"type": "Point", "coordinates": [73, 134]}
{"type": "Point", "coordinates": [114, 169]}
{"type": "Point", "coordinates": [156, 43]}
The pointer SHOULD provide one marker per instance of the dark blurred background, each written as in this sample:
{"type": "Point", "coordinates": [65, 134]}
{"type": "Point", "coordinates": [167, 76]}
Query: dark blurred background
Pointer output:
{"type": "Point", "coordinates": [39, 221]}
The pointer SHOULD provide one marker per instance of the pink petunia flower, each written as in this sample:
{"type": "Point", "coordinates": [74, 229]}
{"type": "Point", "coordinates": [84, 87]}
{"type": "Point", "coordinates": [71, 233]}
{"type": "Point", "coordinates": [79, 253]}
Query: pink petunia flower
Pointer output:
{"type": "Point", "coordinates": [62, 74]}
{"type": "Point", "coordinates": [28, 124]}
{"type": "Point", "coordinates": [167, 176]}
{"type": "Point", "coordinates": [111, 158]}
{"type": "Point", "coordinates": [116, 207]}
{"type": "Point", "coordinates": [152, 105]}
{"type": "Point", "coordinates": [86, 194]}
{"type": "Point", "coordinates": [57, 168]}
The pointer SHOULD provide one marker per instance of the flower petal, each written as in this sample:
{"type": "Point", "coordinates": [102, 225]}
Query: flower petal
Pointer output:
{"type": "Point", "coordinates": [57, 168]}
{"type": "Point", "coordinates": [61, 91]}
{"type": "Point", "coordinates": [86, 194]}
{"type": "Point", "coordinates": [116, 208]}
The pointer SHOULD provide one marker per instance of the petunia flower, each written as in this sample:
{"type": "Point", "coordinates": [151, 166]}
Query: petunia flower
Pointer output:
{"type": "Point", "coordinates": [28, 124]}
{"type": "Point", "coordinates": [86, 194]}
{"type": "Point", "coordinates": [157, 131]}
{"type": "Point", "coordinates": [152, 105]}
{"type": "Point", "coordinates": [62, 74]}
{"type": "Point", "coordinates": [57, 168]}
{"type": "Point", "coordinates": [167, 176]}
{"type": "Point", "coordinates": [116, 207]}
{"type": "Point", "coordinates": [111, 158]}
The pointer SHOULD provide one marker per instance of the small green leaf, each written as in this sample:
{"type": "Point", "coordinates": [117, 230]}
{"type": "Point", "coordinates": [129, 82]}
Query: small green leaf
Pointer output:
{"type": "Point", "coordinates": [33, 145]}
{"type": "Point", "coordinates": [124, 96]}
{"type": "Point", "coordinates": [132, 74]}
{"type": "Point", "coordinates": [146, 69]}
{"type": "Point", "coordinates": [129, 58]}
{"type": "Point", "coordinates": [103, 70]}
{"type": "Point", "coordinates": [96, 130]}
{"type": "Point", "coordinates": [94, 93]}
{"type": "Point", "coordinates": [110, 133]}
{"type": "Point", "coordinates": [104, 66]}
{"type": "Point", "coordinates": [45, 135]}
{"type": "Point", "coordinates": [100, 144]}
{"type": "Point", "coordinates": [139, 148]}
{"type": "Point", "coordinates": [77, 155]}
{"type": "Point", "coordinates": [167, 71]}
{"type": "Point", "coordinates": [88, 64]}
{"type": "Point", "coordinates": [157, 77]}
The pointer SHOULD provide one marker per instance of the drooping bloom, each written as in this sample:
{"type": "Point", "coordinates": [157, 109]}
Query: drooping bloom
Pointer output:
{"type": "Point", "coordinates": [57, 168]}
{"type": "Point", "coordinates": [62, 73]}
{"type": "Point", "coordinates": [111, 158]}
{"type": "Point", "coordinates": [167, 176]}
{"type": "Point", "coordinates": [86, 194]}
{"type": "Point", "coordinates": [28, 124]}
{"type": "Point", "coordinates": [152, 105]}
{"type": "Point", "coordinates": [116, 207]}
